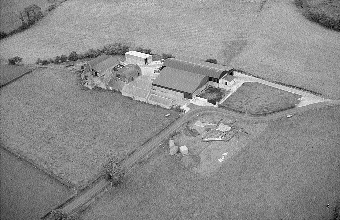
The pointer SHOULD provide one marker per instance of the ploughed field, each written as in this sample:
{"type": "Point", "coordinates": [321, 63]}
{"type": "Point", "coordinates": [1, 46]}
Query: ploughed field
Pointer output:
{"type": "Point", "coordinates": [49, 119]}
{"type": "Point", "coordinates": [259, 99]}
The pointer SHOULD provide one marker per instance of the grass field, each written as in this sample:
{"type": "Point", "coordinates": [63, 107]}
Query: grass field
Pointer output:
{"type": "Point", "coordinates": [10, 11]}
{"type": "Point", "coordinates": [259, 99]}
{"type": "Point", "coordinates": [324, 12]}
{"type": "Point", "coordinates": [193, 27]}
{"type": "Point", "coordinates": [291, 171]}
{"type": "Point", "coordinates": [69, 131]}
{"type": "Point", "coordinates": [26, 193]}
{"type": "Point", "coordinates": [284, 46]}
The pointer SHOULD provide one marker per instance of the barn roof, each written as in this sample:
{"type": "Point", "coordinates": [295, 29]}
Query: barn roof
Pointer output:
{"type": "Point", "coordinates": [178, 80]}
{"type": "Point", "coordinates": [104, 62]}
{"type": "Point", "coordinates": [196, 66]}
{"type": "Point", "coordinates": [138, 54]}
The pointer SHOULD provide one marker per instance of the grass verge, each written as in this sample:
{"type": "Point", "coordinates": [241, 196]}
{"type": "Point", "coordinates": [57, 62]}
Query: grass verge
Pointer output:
{"type": "Point", "coordinates": [259, 99]}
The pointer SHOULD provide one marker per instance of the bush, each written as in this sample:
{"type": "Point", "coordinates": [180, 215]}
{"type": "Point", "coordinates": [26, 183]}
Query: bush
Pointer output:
{"type": "Point", "coordinates": [73, 56]}
{"type": "Point", "coordinates": [167, 55]}
{"type": "Point", "coordinates": [91, 53]}
{"type": "Point", "coordinates": [57, 59]}
{"type": "Point", "coordinates": [51, 7]}
{"type": "Point", "coordinates": [63, 58]}
{"type": "Point", "coordinates": [2, 35]}
{"type": "Point", "coordinates": [39, 61]}
{"type": "Point", "coordinates": [45, 62]}
{"type": "Point", "coordinates": [211, 61]}
{"type": "Point", "coordinates": [143, 50]}
{"type": "Point", "coordinates": [115, 49]}
{"type": "Point", "coordinates": [15, 60]}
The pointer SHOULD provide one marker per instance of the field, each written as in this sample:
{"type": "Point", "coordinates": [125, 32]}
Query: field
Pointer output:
{"type": "Point", "coordinates": [284, 46]}
{"type": "Point", "coordinates": [259, 99]}
{"type": "Point", "coordinates": [326, 13]}
{"type": "Point", "coordinates": [10, 11]}
{"type": "Point", "coordinates": [291, 171]}
{"type": "Point", "coordinates": [70, 131]}
{"type": "Point", "coordinates": [26, 193]}
{"type": "Point", "coordinates": [194, 27]}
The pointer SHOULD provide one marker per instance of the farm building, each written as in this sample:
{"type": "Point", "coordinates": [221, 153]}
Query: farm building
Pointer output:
{"type": "Point", "coordinates": [128, 73]}
{"type": "Point", "coordinates": [134, 57]}
{"type": "Point", "coordinates": [177, 83]}
{"type": "Point", "coordinates": [214, 71]}
{"type": "Point", "coordinates": [101, 65]}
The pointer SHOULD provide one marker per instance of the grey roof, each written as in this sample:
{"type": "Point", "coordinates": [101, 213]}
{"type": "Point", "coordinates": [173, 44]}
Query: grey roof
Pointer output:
{"type": "Point", "coordinates": [104, 62]}
{"type": "Point", "coordinates": [196, 66]}
{"type": "Point", "coordinates": [179, 80]}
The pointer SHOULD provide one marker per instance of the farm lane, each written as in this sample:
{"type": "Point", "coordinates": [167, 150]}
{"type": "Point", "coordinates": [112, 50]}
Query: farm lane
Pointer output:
{"type": "Point", "coordinates": [87, 195]}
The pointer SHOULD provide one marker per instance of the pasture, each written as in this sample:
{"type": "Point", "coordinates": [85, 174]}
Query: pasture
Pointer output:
{"type": "Point", "coordinates": [196, 27]}
{"type": "Point", "coordinates": [49, 119]}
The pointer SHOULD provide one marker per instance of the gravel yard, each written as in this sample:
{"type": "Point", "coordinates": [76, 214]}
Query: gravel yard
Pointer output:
{"type": "Point", "coordinates": [71, 132]}
{"type": "Point", "coordinates": [260, 99]}
{"type": "Point", "coordinates": [291, 171]}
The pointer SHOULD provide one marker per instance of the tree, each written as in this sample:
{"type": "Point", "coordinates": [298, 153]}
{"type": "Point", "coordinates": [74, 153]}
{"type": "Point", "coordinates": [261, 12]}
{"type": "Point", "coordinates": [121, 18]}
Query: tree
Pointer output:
{"type": "Point", "coordinates": [143, 50]}
{"type": "Point", "coordinates": [73, 56]}
{"type": "Point", "coordinates": [167, 55]}
{"type": "Point", "coordinates": [39, 61]}
{"type": "Point", "coordinates": [2, 35]}
{"type": "Point", "coordinates": [211, 61]}
{"type": "Point", "coordinates": [15, 60]}
{"type": "Point", "coordinates": [63, 58]}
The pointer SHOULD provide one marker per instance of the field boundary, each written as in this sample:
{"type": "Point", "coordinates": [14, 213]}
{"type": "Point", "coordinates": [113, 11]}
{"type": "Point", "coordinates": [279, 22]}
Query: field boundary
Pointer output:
{"type": "Point", "coordinates": [22, 157]}
{"type": "Point", "coordinates": [83, 199]}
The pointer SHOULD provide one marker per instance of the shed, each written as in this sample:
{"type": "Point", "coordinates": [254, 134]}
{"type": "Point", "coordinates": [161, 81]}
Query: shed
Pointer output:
{"type": "Point", "coordinates": [134, 57]}
{"type": "Point", "coordinates": [179, 81]}
{"type": "Point", "coordinates": [128, 73]}
{"type": "Point", "coordinates": [102, 64]}
{"type": "Point", "coordinates": [214, 71]}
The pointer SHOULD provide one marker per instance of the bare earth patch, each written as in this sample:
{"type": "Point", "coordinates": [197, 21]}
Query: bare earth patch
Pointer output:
{"type": "Point", "coordinates": [260, 99]}
{"type": "Point", "coordinates": [69, 131]}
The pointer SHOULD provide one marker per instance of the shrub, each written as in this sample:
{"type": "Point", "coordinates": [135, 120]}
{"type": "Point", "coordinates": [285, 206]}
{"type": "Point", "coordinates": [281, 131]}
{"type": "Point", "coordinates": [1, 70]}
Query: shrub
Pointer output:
{"type": "Point", "coordinates": [63, 58]}
{"type": "Point", "coordinates": [73, 56]}
{"type": "Point", "coordinates": [2, 35]}
{"type": "Point", "coordinates": [167, 55]}
{"type": "Point", "coordinates": [91, 53]}
{"type": "Point", "coordinates": [115, 49]}
{"type": "Point", "coordinates": [45, 62]}
{"type": "Point", "coordinates": [39, 61]}
{"type": "Point", "coordinates": [143, 50]}
{"type": "Point", "coordinates": [114, 173]}
{"type": "Point", "coordinates": [211, 61]}
{"type": "Point", "coordinates": [15, 60]}
{"type": "Point", "coordinates": [51, 7]}
{"type": "Point", "coordinates": [57, 59]}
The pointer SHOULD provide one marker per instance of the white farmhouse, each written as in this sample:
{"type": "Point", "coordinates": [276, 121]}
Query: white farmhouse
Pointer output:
{"type": "Point", "coordinates": [134, 57]}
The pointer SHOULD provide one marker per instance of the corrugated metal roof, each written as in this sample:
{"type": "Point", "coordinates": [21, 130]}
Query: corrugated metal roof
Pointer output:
{"type": "Point", "coordinates": [179, 80]}
{"type": "Point", "coordinates": [196, 66]}
{"type": "Point", "coordinates": [138, 54]}
{"type": "Point", "coordinates": [106, 64]}
{"type": "Point", "coordinates": [97, 60]}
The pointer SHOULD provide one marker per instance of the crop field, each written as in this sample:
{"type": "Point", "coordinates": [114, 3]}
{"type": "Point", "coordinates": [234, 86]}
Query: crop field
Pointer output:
{"type": "Point", "coordinates": [201, 28]}
{"type": "Point", "coordinates": [259, 99]}
{"type": "Point", "coordinates": [291, 171]}
{"type": "Point", "coordinates": [72, 132]}
{"type": "Point", "coordinates": [10, 11]}
{"type": "Point", "coordinates": [284, 46]}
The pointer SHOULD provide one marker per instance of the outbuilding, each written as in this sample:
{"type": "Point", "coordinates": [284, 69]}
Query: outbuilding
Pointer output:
{"type": "Point", "coordinates": [214, 71]}
{"type": "Point", "coordinates": [177, 83]}
{"type": "Point", "coordinates": [134, 57]}
{"type": "Point", "coordinates": [128, 73]}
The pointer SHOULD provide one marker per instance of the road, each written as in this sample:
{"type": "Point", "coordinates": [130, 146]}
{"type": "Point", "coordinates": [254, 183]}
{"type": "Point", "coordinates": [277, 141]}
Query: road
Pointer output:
{"type": "Point", "coordinates": [86, 196]}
